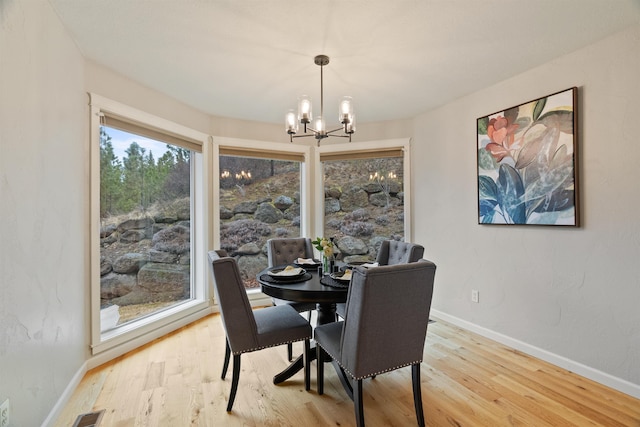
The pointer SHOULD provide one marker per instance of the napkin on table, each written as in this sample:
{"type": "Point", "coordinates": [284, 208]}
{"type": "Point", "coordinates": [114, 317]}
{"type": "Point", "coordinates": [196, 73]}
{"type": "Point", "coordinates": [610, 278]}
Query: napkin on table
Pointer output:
{"type": "Point", "coordinates": [370, 264]}
{"type": "Point", "coordinates": [288, 272]}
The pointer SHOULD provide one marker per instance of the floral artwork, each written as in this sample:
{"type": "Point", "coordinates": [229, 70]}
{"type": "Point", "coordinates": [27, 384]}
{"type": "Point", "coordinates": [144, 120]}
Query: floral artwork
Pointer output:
{"type": "Point", "coordinates": [527, 163]}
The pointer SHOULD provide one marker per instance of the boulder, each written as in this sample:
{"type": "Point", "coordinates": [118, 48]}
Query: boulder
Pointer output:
{"type": "Point", "coordinates": [114, 285]}
{"type": "Point", "coordinates": [130, 263]}
{"type": "Point", "coordinates": [164, 282]}
{"type": "Point", "coordinates": [105, 266]}
{"type": "Point", "coordinates": [349, 245]}
{"type": "Point", "coordinates": [353, 198]}
{"type": "Point", "coordinates": [162, 257]}
{"type": "Point", "coordinates": [268, 213]}
{"type": "Point", "coordinates": [248, 249]}
{"type": "Point", "coordinates": [245, 207]}
{"type": "Point", "coordinates": [108, 230]}
{"type": "Point", "coordinates": [382, 200]}
{"type": "Point", "coordinates": [225, 213]}
{"type": "Point", "coordinates": [333, 192]}
{"type": "Point", "coordinates": [135, 224]}
{"type": "Point", "coordinates": [176, 239]}
{"type": "Point", "coordinates": [133, 236]}
{"type": "Point", "coordinates": [331, 206]}
{"type": "Point", "coordinates": [250, 266]}
{"type": "Point", "coordinates": [283, 202]}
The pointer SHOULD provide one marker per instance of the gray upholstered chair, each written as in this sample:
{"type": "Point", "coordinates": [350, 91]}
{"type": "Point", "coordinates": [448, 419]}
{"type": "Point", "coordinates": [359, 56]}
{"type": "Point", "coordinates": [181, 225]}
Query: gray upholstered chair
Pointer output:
{"type": "Point", "coordinates": [248, 330]}
{"type": "Point", "coordinates": [282, 251]}
{"type": "Point", "coordinates": [384, 329]}
{"type": "Point", "coordinates": [393, 252]}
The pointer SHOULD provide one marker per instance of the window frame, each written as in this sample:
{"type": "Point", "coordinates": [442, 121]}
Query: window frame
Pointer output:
{"type": "Point", "coordinates": [131, 335]}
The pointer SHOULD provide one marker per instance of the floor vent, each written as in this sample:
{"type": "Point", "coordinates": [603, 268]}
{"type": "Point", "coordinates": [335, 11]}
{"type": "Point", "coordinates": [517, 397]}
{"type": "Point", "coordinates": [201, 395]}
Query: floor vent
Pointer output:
{"type": "Point", "coordinates": [91, 419]}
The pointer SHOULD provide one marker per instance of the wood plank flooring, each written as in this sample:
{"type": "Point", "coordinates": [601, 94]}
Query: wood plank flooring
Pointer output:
{"type": "Point", "coordinates": [467, 380]}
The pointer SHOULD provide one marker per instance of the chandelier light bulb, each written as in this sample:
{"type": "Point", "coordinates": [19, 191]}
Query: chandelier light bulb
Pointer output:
{"type": "Point", "coordinates": [291, 122]}
{"type": "Point", "coordinates": [346, 110]}
{"type": "Point", "coordinates": [304, 109]}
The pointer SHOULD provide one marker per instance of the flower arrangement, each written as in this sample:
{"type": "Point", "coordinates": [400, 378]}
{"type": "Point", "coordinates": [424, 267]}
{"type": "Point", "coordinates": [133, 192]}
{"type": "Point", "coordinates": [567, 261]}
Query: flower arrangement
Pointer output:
{"type": "Point", "coordinates": [324, 245]}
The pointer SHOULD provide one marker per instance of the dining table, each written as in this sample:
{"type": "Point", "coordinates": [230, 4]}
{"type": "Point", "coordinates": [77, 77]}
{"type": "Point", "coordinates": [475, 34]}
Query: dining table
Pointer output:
{"type": "Point", "coordinates": [325, 290]}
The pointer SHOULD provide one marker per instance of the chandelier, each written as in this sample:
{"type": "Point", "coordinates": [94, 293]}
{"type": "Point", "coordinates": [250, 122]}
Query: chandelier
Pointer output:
{"type": "Point", "coordinates": [304, 115]}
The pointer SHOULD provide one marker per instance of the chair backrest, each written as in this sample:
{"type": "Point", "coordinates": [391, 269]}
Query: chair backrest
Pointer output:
{"type": "Point", "coordinates": [395, 252]}
{"type": "Point", "coordinates": [386, 317]}
{"type": "Point", "coordinates": [286, 250]}
{"type": "Point", "coordinates": [237, 315]}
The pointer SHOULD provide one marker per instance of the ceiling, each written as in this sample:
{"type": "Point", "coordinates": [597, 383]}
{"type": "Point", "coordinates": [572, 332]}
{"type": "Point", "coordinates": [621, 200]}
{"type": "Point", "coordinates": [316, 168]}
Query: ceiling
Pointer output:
{"type": "Point", "coordinates": [251, 59]}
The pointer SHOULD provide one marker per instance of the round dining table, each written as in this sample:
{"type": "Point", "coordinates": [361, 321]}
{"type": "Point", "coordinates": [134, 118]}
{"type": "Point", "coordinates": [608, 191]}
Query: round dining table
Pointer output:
{"type": "Point", "coordinates": [309, 288]}
{"type": "Point", "coordinates": [312, 287]}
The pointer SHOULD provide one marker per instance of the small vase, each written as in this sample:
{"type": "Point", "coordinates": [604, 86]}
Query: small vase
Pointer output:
{"type": "Point", "coordinates": [326, 264]}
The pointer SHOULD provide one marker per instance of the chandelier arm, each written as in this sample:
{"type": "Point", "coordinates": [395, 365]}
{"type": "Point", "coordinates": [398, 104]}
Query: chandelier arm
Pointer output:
{"type": "Point", "coordinates": [335, 130]}
{"type": "Point", "coordinates": [299, 136]}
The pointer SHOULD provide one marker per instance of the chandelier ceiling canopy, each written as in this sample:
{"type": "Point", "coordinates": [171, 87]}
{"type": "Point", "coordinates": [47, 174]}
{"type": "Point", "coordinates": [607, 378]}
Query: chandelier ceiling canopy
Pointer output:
{"type": "Point", "coordinates": [304, 115]}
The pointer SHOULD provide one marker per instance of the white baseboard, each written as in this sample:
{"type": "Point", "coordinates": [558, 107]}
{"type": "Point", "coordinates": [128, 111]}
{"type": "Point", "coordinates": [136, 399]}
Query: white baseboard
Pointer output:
{"type": "Point", "coordinates": [65, 396]}
{"type": "Point", "coordinates": [600, 377]}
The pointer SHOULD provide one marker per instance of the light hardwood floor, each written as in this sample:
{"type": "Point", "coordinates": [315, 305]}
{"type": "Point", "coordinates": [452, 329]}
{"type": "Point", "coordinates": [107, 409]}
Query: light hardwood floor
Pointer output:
{"type": "Point", "coordinates": [467, 380]}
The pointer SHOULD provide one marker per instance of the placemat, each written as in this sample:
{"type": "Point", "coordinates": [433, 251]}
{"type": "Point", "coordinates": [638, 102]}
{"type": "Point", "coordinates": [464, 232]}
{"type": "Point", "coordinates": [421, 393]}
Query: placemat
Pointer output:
{"type": "Point", "coordinates": [328, 281]}
{"type": "Point", "coordinates": [271, 279]}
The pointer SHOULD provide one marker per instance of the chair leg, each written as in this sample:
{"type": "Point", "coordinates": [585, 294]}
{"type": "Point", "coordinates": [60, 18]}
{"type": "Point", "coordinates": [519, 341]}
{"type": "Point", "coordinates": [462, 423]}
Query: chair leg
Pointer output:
{"type": "Point", "coordinates": [358, 404]}
{"type": "Point", "coordinates": [234, 381]}
{"type": "Point", "coordinates": [227, 356]}
{"type": "Point", "coordinates": [320, 369]}
{"type": "Point", "coordinates": [290, 352]}
{"type": "Point", "coordinates": [417, 393]}
{"type": "Point", "coordinates": [307, 365]}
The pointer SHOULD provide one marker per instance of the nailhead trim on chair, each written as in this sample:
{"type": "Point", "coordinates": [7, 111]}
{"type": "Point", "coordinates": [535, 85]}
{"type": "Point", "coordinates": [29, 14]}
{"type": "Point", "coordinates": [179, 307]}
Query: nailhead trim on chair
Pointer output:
{"type": "Point", "coordinates": [235, 353]}
{"type": "Point", "coordinates": [373, 373]}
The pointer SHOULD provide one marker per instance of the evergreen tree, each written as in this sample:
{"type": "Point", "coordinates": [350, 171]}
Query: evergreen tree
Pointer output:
{"type": "Point", "coordinates": [133, 178]}
{"type": "Point", "coordinates": [110, 176]}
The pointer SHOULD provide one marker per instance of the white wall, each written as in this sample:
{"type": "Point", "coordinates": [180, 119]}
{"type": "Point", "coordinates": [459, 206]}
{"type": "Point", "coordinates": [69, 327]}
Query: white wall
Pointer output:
{"type": "Point", "coordinates": [572, 295]}
{"type": "Point", "coordinates": [43, 210]}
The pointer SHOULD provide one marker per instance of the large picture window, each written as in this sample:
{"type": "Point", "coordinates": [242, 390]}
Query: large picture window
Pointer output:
{"type": "Point", "coordinates": [145, 226]}
{"type": "Point", "coordinates": [260, 197]}
{"type": "Point", "coordinates": [363, 205]}
{"type": "Point", "coordinates": [149, 206]}
{"type": "Point", "coordinates": [365, 198]}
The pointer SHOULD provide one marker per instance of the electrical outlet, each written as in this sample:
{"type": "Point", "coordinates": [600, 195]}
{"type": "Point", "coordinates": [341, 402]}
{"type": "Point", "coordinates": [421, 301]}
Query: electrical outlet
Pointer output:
{"type": "Point", "coordinates": [475, 295]}
{"type": "Point", "coordinates": [4, 414]}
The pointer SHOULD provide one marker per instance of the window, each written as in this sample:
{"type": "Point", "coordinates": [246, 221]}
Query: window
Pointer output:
{"type": "Point", "coordinates": [145, 226]}
{"type": "Point", "coordinates": [261, 197]}
{"type": "Point", "coordinates": [148, 252]}
{"type": "Point", "coordinates": [364, 198]}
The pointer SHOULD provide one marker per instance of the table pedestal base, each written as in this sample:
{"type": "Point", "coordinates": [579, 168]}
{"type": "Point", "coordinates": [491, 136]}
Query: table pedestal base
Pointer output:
{"type": "Point", "coordinates": [326, 314]}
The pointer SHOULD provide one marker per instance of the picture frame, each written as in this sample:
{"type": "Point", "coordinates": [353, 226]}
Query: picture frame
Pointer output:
{"type": "Point", "coordinates": [527, 163]}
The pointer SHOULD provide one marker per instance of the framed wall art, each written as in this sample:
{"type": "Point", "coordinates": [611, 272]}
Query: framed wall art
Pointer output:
{"type": "Point", "coordinates": [527, 163]}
